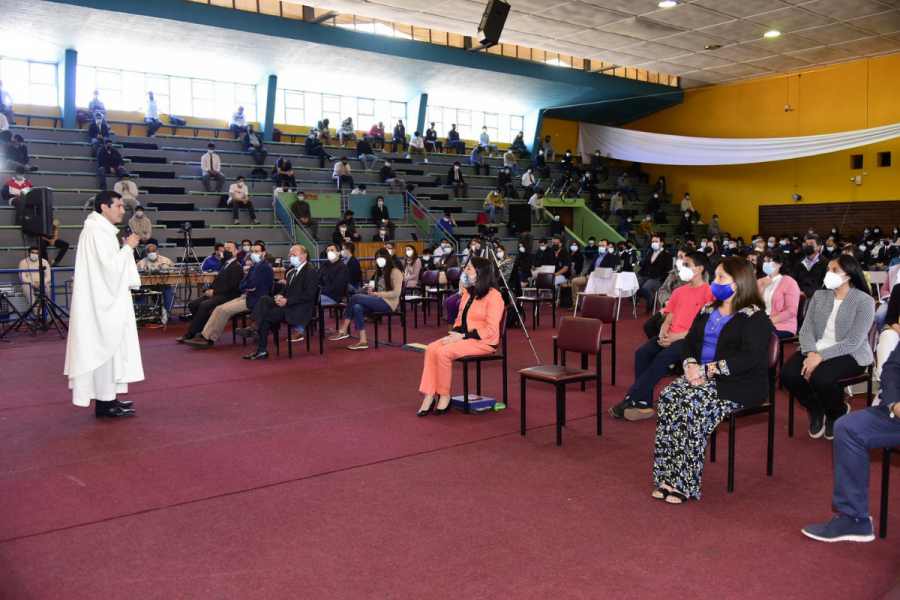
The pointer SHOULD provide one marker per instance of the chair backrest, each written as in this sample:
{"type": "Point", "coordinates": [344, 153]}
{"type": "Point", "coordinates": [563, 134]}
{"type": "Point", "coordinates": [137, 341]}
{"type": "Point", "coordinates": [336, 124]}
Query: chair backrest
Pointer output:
{"type": "Point", "coordinates": [579, 335]}
{"type": "Point", "coordinates": [544, 281]}
{"type": "Point", "coordinates": [873, 337]}
{"type": "Point", "coordinates": [453, 274]}
{"type": "Point", "coordinates": [431, 278]}
{"type": "Point", "coordinates": [774, 348]}
{"type": "Point", "coordinates": [599, 307]}
{"type": "Point", "coordinates": [801, 310]}
{"type": "Point", "coordinates": [503, 325]}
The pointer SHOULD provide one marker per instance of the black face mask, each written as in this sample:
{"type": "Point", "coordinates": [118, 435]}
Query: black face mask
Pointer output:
{"type": "Point", "coordinates": [555, 247]}
{"type": "Point", "coordinates": [708, 250]}
{"type": "Point", "coordinates": [809, 250]}
{"type": "Point", "coordinates": [226, 255]}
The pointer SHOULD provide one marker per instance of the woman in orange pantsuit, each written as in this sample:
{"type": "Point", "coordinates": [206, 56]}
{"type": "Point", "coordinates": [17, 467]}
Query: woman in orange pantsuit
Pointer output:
{"type": "Point", "coordinates": [476, 331]}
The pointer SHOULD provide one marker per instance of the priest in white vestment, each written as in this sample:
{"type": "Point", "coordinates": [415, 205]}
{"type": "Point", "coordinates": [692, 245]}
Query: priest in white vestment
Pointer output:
{"type": "Point", "coordinates": [103, 354]}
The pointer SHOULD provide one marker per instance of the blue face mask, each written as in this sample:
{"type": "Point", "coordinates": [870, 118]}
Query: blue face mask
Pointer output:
{"type": "Point", "coordinates": [465, 279]}
{"type": "Point", "coordinates": [602, 250]}
{"type": "Point", "coordinates": [295, 260]}
{"type": "Point", "coordinates": [655, 245]}
{"type": "Point", "coordinates": [255, 258]}
{"type": "Point", "coordinates": [721, 292]}
{"type": "Point", "coordinates": [768, 268]}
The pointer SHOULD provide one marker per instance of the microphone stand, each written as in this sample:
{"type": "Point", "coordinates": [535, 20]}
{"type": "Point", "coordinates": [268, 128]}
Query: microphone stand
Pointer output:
{"type": "Point", "coordinates": [493, 255]}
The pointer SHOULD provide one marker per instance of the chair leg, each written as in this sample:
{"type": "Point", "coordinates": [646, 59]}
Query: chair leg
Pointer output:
{"type": "Point", "coordinates": [584, 366]}
{"type": "Point", "coordinates": [403, 326]}
{"type": "Point", "coordinates": [790, 415]}
{"type": "Point", "coordinates": [478, 378]}
{"type": "Point", "coordinates": [612, 377]}
{"type": "Point", "coordinates": [599, 401]}
{"type": "Point", "coordinates": [712, 446]}
{"type": "Point", "coordinates": [732, 429]}
{"type": "Point", "coordinates": [321, 329]}
{"type": "Point", "coordinates": [560, 411]}
{"type": "Point", "coordinates": [770, 451]}
{"type": "Point", "coordinates": [275, 337]}
{"type": "Point", "coordinates": [505, 384]}
{"type": "Point", "coordinates": [390, 329]}
{"type": "Point", "coordinates": [885, 483]}
{"type": "Point", "coordinates": [375, 324]}
{"type": "Point", "coordinates": [522, 405]}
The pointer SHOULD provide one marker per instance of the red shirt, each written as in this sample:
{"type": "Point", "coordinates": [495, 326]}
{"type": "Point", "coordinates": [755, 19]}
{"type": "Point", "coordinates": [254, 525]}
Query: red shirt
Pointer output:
{"type": "Point", "coordinates": [376, 130]}
{"type": "Point", "coordinates": [685, 303]}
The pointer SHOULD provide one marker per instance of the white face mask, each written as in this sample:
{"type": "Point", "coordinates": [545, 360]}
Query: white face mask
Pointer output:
{"type": "Point", "coordinates": [19, 178]}
{"type": "Point", "coordinates": [210, 151]}
{"type": "Point", "coordinates": [332, 255]}
{"type": "Point", "coordinates": [343, 254]}
{"type": "Point", "coordinates": [33, 257]}
{"type": "Point", "coordinates": [679, 263]}
{"type": "Point", "coordinates": [409, 253]}
{"type": "Point", "coordinates": [343, 230]}
{"type": "Point", "coordinates": [521, 248]}
{"type": "Point", "coordinates": [246, 248]}
{"type": "Point", "coordinates": [240, 184]}
{"type": "Point", "coordinates": [685, 273]}
{"type": "Point", "coordinates": [295, 261]}
{"type": "Point", "coordinates": [381, 262]}
{"type": "Point", "coordinates": [151, 256]}
{"type": "Point", "coordinates": [139, 215]}
{"type": "Point", "coordinates": [299, 198]}
{"type": "Point", "coordinates": [383, 233]}
{"type": "Point", "coordinates": [833, 280]}
{"type": "Point", "coordinates": [573, 248]}
{"type": "Point", "coordinates": [380, 204]}
{"type": "Point", "coordinates": [500, 255]}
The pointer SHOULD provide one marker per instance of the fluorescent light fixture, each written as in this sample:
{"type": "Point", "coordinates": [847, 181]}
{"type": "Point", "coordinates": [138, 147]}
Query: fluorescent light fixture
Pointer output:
{"type": "Point", "coordinates": [667, 4]}
{"type": "Point", "coordinates": [772, 34]}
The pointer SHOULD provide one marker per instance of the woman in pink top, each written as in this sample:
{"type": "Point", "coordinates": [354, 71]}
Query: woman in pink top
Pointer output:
{"type": "Point", "coordinates": [782, 295]}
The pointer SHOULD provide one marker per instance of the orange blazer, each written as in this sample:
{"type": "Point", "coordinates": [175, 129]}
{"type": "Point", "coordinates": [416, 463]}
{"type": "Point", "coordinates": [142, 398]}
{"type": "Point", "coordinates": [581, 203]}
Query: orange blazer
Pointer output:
{"type": "Point", "coordinates": [484, 316]}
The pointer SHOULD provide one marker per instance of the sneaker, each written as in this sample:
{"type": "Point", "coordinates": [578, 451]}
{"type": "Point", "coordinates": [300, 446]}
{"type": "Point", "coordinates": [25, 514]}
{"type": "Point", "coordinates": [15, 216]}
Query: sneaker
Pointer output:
{"type": "Point", "coordinates": [618, 411]}
{"type": "Point", "coordinates": [297, 337]}
{"type": "Point", "coordinates": [816, 425]}
{"type": "Point", "coordinates": [426, 160]}
{"type": "Point", "coordinates": [337, 335]}
{"type": "Point", "coordinates": [638, 412]}
{"type": "Point", "coordinates": [841, 528]}
{"type": "Point", "coordinates": [236, 222]}
{"type": "Point", "coordinates": [829, 423]}
{"type": "Point", "coordinates": [256, 221]}
{"type": "Point", "coordinates": [408, 157]}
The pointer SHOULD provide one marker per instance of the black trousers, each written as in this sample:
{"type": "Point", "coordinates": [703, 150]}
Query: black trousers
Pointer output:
{"type": "Point", "coordinates": [652, 325]}
{"type": "Point", "coordinates": [264, 315]}
{"type": "Point", "coordinates": [236, 209]}
{"type": "Point", "coordinates": [290, 179]}
{"type": "Point", "coordinates": [478, 167]}
{"type": "Point", "coordinates": [61, 245]}
{"type": "Point", "coordinates": [822, 393]}
{"type": "Point", "coordinates": [201, 307]}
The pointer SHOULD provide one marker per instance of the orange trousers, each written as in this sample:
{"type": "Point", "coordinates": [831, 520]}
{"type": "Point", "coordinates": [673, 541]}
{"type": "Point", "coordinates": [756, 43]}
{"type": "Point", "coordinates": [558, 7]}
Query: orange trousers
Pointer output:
{"type": "Point", "coordinates": [438, 370]}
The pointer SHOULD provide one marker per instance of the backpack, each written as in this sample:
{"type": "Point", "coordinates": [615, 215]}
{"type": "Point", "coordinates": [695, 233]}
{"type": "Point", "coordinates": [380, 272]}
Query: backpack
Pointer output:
{"type": "Point", "coordinates": [177, 121]}
{"type": "Point", "coordinates": [566, 299]}
{"type": "Point", "coordinates": [276, 135]}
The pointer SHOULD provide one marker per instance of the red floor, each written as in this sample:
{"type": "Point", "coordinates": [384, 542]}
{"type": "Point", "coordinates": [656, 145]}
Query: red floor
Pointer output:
{"type": "Point", "coordinates": [312, 478]}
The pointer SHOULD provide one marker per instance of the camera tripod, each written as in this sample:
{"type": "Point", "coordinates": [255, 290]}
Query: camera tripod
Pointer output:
{"type": "Point", "coordinates": [183, 269]}
{"type": "Point", "coordinates": [47, 313]}
{"type": "Point", "coordinates": [490, 249]}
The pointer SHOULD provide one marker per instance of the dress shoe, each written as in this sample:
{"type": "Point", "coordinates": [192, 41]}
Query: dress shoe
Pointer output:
{"type": "Point", "coordinates": [338, 335]}
{"type": "Point", "coordinates": [199, 342]}
{"type": "Point", "coordinates": [297, 337]}
{"type": "Point", "coordinates": [184, 338]}
{"type": "Point", "coordinates": [358, 346]}
{"type": "Point", "coordinates": [112, 410]}
{"type": "Point", "coordinates": [247, 332]}
{"type": "Point", "coordinates": [440, 411]}
{"type": "Point", "coordinates": [124, 403]}
{"type": "Point", "coordinates": [256, 355]}
{"type": "Point", "coordinates": [422, 413]}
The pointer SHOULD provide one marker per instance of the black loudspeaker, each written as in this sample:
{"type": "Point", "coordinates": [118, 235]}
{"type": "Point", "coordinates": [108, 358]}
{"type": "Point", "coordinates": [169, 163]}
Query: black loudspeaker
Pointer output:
{"type": "Point", "coordinates": [492, 22]}
{"type": "Point", "coordinates": [35, 213]}
{"type": "Point", "coordinates": [520, 216]}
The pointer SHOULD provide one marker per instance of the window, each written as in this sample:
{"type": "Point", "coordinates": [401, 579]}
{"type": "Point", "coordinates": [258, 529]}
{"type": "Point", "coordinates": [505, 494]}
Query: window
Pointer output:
{"type": "Point", "coordinates": [294, 107]}
{"type": "Point", "coordinates": [501, 128]}
{"type": "Point", "coordinates": [884, 159]}
{"type": "Point", "coordinates": [30, 82]}
{"type": "Point", "coordinates": [856, 161]}
{"type": "Point", "coordinates": [294, 112]}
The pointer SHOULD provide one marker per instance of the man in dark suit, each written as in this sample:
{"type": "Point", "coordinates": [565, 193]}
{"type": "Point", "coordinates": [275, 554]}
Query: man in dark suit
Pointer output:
{"type": "Point", "coordinates": [809, 272]}
{"type": "Point", "coordinates": [224, 288]}
{"type": "Point", "coordinates": [654, 269]}
{"type": "Point", "coordinates": [381, 217]}
{"type": "Point", "coordinates": [354, 270]}
{"type": "Point", "coordinates": [382, 235]}
{"type": "Point", "coordinates": [296, 303]}
{"type": "Point", "coordinates": [457, 181]}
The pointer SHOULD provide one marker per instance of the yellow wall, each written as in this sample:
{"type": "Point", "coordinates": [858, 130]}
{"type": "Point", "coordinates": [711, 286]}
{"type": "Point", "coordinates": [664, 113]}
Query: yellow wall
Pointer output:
{"type": "Point", "coordinates": [846, 97]}
{"type": "Point", "coordinates": [563, 134]}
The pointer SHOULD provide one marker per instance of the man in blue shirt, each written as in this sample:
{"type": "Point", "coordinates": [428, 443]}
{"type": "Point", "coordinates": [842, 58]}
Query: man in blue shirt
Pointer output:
{"type": "Point", "coordinates": [213, 262]}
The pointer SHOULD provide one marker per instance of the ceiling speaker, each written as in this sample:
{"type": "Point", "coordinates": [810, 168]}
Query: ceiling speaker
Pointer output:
{"type": "Point", "coordinates": [492, 22]}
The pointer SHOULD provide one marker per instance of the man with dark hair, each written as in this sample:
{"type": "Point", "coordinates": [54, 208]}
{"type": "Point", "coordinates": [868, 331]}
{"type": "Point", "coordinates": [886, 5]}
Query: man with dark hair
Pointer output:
{"type": "Point", "coordinates": [254, 146]}
{"type": "Point", "coordinates": [295, 304]}
{"type": "Point", "coordinates": [255, 284]}
{"type": "Point", "coordinates": [389, 177]}
{"type": "Point", "coordinates": [432, 141]}
{"type": "Point", "coordinates": [457, 181]}
{"type": "Point", "coordinates": [17, 155]}
{"type": "Point", "coordinates": [284, 173]}
{"type": "Point", "coordinates": [211, 168]}
{"type": "Point", "coordinates": [365, 153]}
{"type": "Point", "coordinates": [654, 268]}
{"type": "Point", "coordinates": [476, 160]}
{"type": "Point", "coordinates": [652, 360]}
{"type": "Point", "coordinates": [224, 288]}
{"type": "Point", "coordinates": [214, 261]}
{"type": "Point", "coordinates": [103, 354]}
{"type": "Point", "coordinates": [382, 218]}
{"type": "Point", "coordinates": [544, 255]}
{"type": "Point", "coordinates": [239, 196]}
{"type": "Point", "coordinates": [314, 147]}
{"type": "Point", "coordinates": [809, 272]}
{"type": "Point", "coordinates": [16, 187]}
{"type": "Point", "coordinates": [303, 213]}
{"type": "Point", "coordinates": [351, 226]}
{"type": "Point", "coordinates": [562, 261]}
{"type": "Point", "coordinates": [109, 162]}
{"type": "Point", "coordinates": [354, 270]}
{"type": "Point", "coordinates": [454, 142]}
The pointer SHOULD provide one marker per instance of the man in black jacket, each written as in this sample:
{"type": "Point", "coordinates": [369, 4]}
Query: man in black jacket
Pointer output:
{"type": "Point", "coordinates": [389, 177]}
{"type": "Point", "coordinates": [399, 137]}
{"type": "Point", "coordinates": [254, 146]}
{"type": "Point", "coordinates": [314, 148]}
{"type": "Point", "coordinates": [333, 276]}
{"type": "Point", "coordinates": [296, 303]}
{"type": "Point", "coordinates": [654, 270]}
{"type": "Point", "coordinates": [17, 155]}
{"type": "Point", "coordinates": [457, 181]}
{"type": "Point", "coordinates": [454, 142]}
{"type": "Point", "coordinates": [381, 217]}
{"type": "Point", "coordinates": [98, 133]}
{"type": "Point", "coordinates": [224, 288]}
{"type": "Point", "coordinates": [109, 162]}
{"type": "Point", "coordinates": [365, 153]}
{"type": "Point", "coordinates": [505, 183]}
{"type": "Point", "coordinates": [809, 272]}
{"type": "Point", "coordinates": [544, 255]}
{"type": "Point", "coordinates": [354, 271]}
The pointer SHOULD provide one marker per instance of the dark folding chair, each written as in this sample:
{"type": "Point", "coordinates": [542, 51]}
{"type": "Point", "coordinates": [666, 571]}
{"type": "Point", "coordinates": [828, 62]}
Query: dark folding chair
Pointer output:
{"type": "Point", "coordinates": [766, 407]}
{"type": "Point", "coordinates": [318, 320]}
{"type": "Point", "coordinates": [431, 280]}
{"type": "Point", "coordinates": [389, 314]}
{"type": "Point", "coordinates": [603, 308]}
{"type": "Point", "coordinates": [864, 377]}
{"type": "Point", "coordinates": [801, 315]}
{"type": "Point", "coordinates": [452, 274]}
{"type": "Point", "coordinates": [885, 487]}
{"type": "Point", "coordinates": [339, 307]}
{"type": "Point", "coordinates": [497, 355]}
{"type": "Point", "coordinates": [579, 335]}
{"type": "Point", "coordinates": [234, 325]}
{"type": "Point", "coordinates": [420, 296]}
{"type": "Point", "coordinates": [544, 281]}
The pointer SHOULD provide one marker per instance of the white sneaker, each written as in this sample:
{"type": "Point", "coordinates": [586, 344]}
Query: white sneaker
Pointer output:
{"type": "Point", "coordinates": [408, 157]}
{"type": "Point", "coordinates": [236, 222]}
{"type": "Point", "coordinates": [426, 160]}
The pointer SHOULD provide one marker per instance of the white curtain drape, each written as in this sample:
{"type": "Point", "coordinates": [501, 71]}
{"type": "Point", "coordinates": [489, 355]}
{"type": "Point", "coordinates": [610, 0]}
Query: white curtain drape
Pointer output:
{"type": "Point", "coordinates": [661, 149]}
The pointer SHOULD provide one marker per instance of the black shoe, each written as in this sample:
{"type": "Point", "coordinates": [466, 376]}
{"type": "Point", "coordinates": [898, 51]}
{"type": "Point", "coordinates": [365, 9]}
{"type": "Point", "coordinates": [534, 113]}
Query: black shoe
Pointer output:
{"type": "Point", "coordinates": [124, 403]}
{"type": "Point", "coordinates": [829, 423]}
{"type": "Point", "coordinates": [184, 338]}
{"type": "Point", "coordinates": [618, 411]}
{"type": "Point", "coordinates": [422, 413]}
{"type": "Point", "coordinates": [256, 355]}
{"type": "Point", "coordinates": [816, 425]}
{"type": "Point", "coordinates": [247, 332]}
{"type": "Point", "coordinates": [111, 409]}
{"type": "Point", "coordinates": [440, 411]}
{"type": "Point", "coordinates": [200, 342]}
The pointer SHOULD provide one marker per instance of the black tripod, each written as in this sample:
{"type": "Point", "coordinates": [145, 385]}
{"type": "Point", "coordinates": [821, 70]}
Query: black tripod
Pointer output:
{"type": "Point", "coordinates": [47, 312]}
{"type": "Point", "coordinates": [184, 270]}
